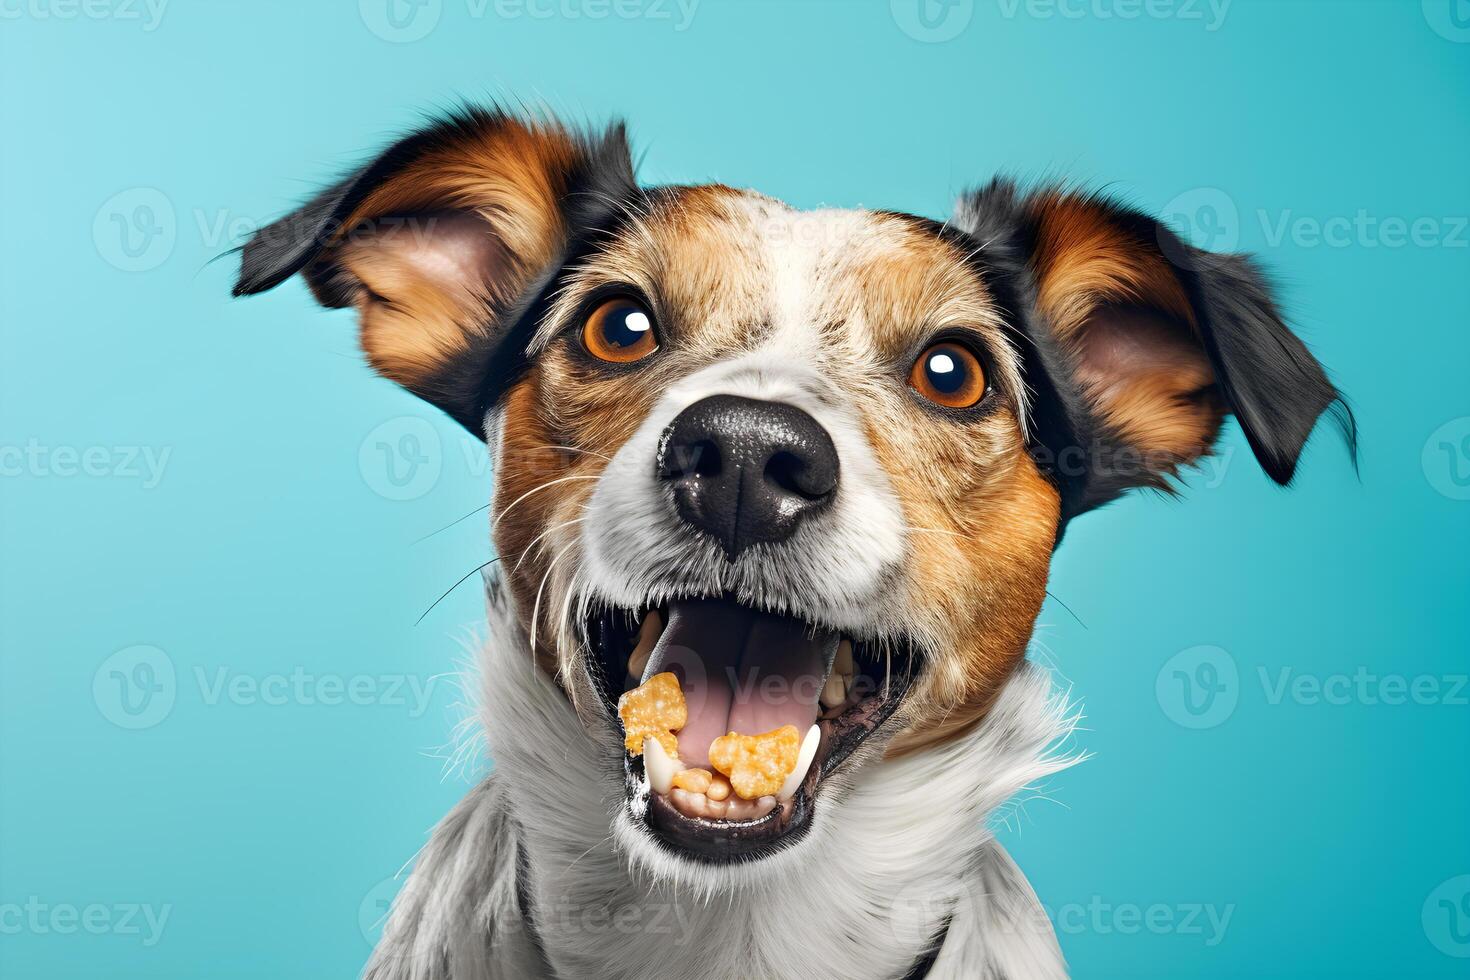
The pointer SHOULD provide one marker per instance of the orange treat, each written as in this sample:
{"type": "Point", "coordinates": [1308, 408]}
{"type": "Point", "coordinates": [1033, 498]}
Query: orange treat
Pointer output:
{"type": "Point", "coordinates": [694, 780]}
{"type": "Point", "coordinates": [653, 709]}
{"type": "Point", "coordinates": [719, 788]}
{"type": "Point", "coordinates": [757, 764]}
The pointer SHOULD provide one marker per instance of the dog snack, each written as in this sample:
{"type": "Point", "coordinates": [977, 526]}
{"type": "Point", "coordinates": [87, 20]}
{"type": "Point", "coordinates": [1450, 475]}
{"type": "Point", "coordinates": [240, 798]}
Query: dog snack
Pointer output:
{"type": "Point", "coordinates": [749, 766]}
{"type": "Point", "coordinates": [719, 788]}
{"type": "Point", "coordinates": [757, 765]}
{"type": "Point", "coordinates": [654, 709]}
{"type": "Point", "coordinates": [694, 780]}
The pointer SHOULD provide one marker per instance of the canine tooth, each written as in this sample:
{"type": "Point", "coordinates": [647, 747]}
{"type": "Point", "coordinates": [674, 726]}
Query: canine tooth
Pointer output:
{"type": "Point", "coordinates": [659, 767]}
{"type": "Point", "coordinates": [842, 663]}
{"type": "Point", "coordinates": [648, 634]}
{"type": "Point", "coordinates": [803, 763]}
{"type": "Point", "coordinates": [834, 692]}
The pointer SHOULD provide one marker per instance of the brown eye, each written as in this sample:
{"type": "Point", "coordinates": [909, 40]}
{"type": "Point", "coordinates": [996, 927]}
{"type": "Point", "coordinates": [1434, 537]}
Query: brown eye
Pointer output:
{"type": "Point", "coordinates": [620, 330]}
{"type": "Point", "coordinates": [948, 374]}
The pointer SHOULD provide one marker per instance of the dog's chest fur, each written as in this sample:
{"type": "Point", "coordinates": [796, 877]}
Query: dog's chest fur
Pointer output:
{"type": "Point", "coordinates": [532, 872]}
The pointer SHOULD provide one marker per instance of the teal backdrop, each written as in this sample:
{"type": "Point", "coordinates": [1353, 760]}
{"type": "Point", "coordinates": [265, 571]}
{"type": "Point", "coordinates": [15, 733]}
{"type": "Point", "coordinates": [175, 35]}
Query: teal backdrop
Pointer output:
{"type": "Point", "coordinates": [223, 730]}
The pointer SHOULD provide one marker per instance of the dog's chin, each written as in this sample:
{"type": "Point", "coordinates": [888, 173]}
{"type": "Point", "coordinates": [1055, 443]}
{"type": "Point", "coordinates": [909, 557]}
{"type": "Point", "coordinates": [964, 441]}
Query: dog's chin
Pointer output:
{"type": "Point", "coordinates": [752, 671]}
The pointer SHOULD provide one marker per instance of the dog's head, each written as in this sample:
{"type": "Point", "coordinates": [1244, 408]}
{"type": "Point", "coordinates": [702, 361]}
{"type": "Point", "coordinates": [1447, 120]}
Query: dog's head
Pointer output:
{"type": "Point", "coordinates": [814, 464]}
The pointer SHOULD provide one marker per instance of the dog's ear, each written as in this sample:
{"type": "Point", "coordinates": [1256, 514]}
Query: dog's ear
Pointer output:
{"type": "Point", "coordinates": [444, 242]}
{"type": "Point", "coordinates": [1145, 343]}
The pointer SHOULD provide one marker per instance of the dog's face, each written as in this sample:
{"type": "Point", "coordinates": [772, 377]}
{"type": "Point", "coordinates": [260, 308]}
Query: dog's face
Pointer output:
{"type": "Point", "coordinates": [814, 464]}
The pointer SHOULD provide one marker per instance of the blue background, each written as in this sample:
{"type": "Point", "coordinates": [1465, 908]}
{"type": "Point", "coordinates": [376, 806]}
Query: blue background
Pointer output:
{"type": "Point", "coordinates": [270, 546]}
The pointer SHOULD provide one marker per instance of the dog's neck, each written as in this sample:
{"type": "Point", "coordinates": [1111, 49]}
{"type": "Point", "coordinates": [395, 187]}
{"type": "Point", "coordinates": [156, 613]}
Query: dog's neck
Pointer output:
{"type": "Point", "coordinates": [894, 853]}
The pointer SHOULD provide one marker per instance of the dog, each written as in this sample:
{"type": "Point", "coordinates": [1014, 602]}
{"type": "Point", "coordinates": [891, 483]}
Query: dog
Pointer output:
{"type": "Point", "coordinates": [813, 467]}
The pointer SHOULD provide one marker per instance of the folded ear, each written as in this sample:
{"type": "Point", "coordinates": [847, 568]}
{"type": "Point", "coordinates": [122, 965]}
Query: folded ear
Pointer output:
{"type": "Point", "coordinates": [444, 242]}
{"type": "Point", "coordinates": [1146, 343]}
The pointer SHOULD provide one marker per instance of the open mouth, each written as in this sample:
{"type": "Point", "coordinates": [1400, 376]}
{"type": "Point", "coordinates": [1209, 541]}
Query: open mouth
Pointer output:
{"type": "Point", "coordinates": [733, 717]}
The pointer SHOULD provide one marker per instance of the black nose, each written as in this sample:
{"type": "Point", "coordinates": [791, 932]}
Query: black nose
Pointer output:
{"type": "Point", "coordinates": [746, 471]}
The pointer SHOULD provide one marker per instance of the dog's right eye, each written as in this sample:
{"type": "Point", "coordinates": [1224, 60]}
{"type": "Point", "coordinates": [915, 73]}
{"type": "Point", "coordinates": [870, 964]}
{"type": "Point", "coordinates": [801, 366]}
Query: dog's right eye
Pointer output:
{"type": "Point", "coordinates": [620, 331]}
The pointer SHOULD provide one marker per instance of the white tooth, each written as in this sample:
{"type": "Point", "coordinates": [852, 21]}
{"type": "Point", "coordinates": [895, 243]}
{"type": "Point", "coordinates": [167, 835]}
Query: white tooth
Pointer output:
{"type": "Point", "coordinates": [648, 634]}
{"type": "Point", "coordinates": [842, 663]}
{"type": "Point", "coordinates": [659, 767]}
{"type": "Point", "coordinates": [803, 763]}
{"type": "Point", "coordinates": [834, 692]}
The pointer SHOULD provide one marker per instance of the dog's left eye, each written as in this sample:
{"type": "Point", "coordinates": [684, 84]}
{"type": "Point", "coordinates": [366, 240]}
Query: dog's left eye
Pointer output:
{"type": "Point", "coordinates": [949, 374]}
{"type": "Point", "coordinates": [621, 331]}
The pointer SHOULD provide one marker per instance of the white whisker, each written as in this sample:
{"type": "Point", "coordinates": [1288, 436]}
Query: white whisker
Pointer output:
{"type": "Point", "coordinates": [536, 489]}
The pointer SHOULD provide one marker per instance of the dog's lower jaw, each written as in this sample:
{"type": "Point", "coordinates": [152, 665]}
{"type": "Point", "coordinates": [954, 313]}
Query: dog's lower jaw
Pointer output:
{"type": "Point", "coordinates": [531, 876]}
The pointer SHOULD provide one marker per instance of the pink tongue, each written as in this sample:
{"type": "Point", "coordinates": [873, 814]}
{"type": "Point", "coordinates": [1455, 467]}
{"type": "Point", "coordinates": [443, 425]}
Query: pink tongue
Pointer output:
{"type": "Point", "coordinates": [741, 671]}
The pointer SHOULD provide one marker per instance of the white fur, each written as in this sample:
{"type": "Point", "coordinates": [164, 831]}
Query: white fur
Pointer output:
{"type": "Point", "coordinates": [837, 569]}
{"type": "Point", "coordinates": [887, 859]}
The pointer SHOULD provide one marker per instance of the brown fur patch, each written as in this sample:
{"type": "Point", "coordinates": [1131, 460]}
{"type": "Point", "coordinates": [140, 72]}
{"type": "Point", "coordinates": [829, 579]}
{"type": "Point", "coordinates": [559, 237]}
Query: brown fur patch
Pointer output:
{"type": "Point", "coordinates": [508, 179]}
{"type": "Point", "coordinates": [1115, 301]}
{"type": "Point", "coordinates": [982, 521]}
